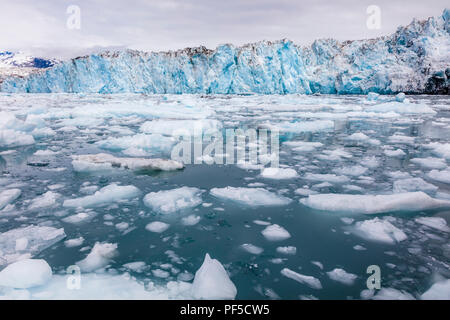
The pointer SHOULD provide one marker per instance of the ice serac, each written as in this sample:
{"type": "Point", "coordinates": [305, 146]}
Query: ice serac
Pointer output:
{"type": "Point", "coordinates": [212, 282]}
{"type": "Point", "coordinates": [414, 60]}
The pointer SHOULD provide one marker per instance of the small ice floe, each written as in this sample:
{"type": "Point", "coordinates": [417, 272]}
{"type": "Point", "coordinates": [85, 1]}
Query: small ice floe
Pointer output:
{"type": "Point", "coordinates": [274, 232]}
{"type": "Point", "coordinates": [104, 161]}
{"type": "Point", "coordinates": [137, 266]}
{"type": "Point", "coordinates": [372, 204]}
{"type": "Point", "coordinates": [27, 241]}
{"type": "Point", "coordinates": [401, 107]}
{"type": "Point", "coordinates": [26, 274]}
{"type": "Point", "coordinates": [438, 291]}
{"type": "Point", "coordinates": [80, 217]}
{"type": "Point", "coordinates": [318, 264]}
{"type": "Point", "coordinates": [303, 146]}
{"type": "Point", "coordinates": [106, 195]}
{"type": "Point", "coordinates": [157, 226]}
{"type": "Point", "coordinates": [354, 171]}
{"type": "Point", "coordinates": [45, 153]}
{"type": "Point", "coordinates": [169, 201]}
{"type": "Point", "coordinates": [342, 276]}
{"type": "Point", "coordinates": [398, 153]}
{"type": "Point", "coordinates": [328, 177]}
{"type": "Point", "coordinates": [46, 200]}
{"type": "Point", "coordinates": [430, 163]}
{"type": "Point", "coordinates": [440, 176]}
{"type": "Point", "coordinates": [99, 257]}
{"type": "Point", "coordinates": [388, 294]}
{"type": "Point", "coordinates": [439, 149]}
{"type": "Point", "coordinates": [253, 197]}
{"type": "Point", "coordinates": [122, 226]}
{"type": "Point", "coordinates": [190, 128]}
{"type": "Point", "coordinates": [8, 196]}
{"type": "Point", "coordinates": [279, 173]}
{"type": "Point", "coordinates": [434, 222]}
{"type": "Point", "coordinates": [250, 248]}
{"type": "Point", "coordinates": [361, 138]}
{"type": "Point", "coordinates": [288, 250]}
{"type": "Point", "coordinates": [212, 282]}
{"type": "Point", "coordinates": [401, 139]}
{"type": "Point", "coordinates": [261, 223]}
{"type": "Point", "coordinates": [301, 126]}
{"type": "Point", "coordinates": [310, 281]}
{"type": "Point", "coordinates": [190, 220]}
{"type": "Point", "coordinates": [378, 230]}
{"type": "Point", "coordinates": [412, 185]}
{"type": "Point", "coordinates": [75, 242]}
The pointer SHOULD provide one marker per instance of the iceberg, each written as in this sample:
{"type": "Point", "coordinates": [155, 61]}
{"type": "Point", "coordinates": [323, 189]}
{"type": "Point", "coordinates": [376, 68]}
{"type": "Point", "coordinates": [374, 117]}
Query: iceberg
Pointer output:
{"type": "Point", "coordinates": [379, 230]}
{"type": "Point", "coordinates": [211, 282]}
{"type": "Point", "coordinates": [99, 257]}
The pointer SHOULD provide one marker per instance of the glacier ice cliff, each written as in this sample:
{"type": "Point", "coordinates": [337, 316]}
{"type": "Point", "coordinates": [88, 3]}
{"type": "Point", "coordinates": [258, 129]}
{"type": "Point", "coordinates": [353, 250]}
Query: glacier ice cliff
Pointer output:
{"type": "Point", "coordinates": [415, 59]}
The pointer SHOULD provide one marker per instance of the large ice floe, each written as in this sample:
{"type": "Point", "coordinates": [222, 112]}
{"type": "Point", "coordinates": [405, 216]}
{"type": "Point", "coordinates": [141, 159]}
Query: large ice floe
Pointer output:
{"type": "Point", "coordinates": [250, 196]}
{"type": "Point", "coordinates": [372, 204]}
{"type": "Point", "coordinates": [169, 201]}
{"type": "Point", "coordinates": [104, 161]}
{"type": "Point", "coordinates": [104, 196]}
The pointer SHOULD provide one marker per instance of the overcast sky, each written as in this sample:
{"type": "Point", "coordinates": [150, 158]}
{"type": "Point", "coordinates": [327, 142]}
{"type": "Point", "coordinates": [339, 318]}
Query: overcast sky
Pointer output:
{"type": "Point", "coordinates": [40, 27]}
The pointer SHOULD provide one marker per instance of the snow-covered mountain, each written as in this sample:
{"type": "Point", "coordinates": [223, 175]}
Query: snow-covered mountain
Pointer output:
{"type": "Point", "coordinates": [19, 64]}
{"type": "Point", "coordinates": [415, 59]}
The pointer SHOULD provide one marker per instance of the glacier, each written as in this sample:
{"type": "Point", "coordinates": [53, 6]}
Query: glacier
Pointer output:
{"type": "Point", "coordinates": [414, 59]}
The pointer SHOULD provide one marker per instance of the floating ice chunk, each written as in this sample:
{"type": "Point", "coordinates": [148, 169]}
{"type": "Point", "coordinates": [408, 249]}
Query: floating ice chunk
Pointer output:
{"type": "Point", "coordinates": [440, 149]}
{"type": "Point", "coordinates": [342, 276]}
{"type": "Point", "coordinates": [121, 226]}
{"type": "Point", "coordinates": [400, 97]}
{"type": "Point", "coordinates": [287, 250]}
{"type": "Point", "coordinates": [434, 222]}
{"type": "Point", "coordinates": [430, 163]}
{"type": "Point", "coordinates": [438, 291]}
{"type": "Point", "coordinates": [303, 146]}
{"type": "Point", "coordinates": [169, 201]}
{"type": "Point", "coordinates": [261, 223]}
{"type": "Point", "coordinates": [99, 257]}
{"type": "Point", "coordinates": [190, 220]}
{"type": "Point", "coordinates": [392, 294]}
{"type": "Point", "coordinates": [38, 238]}
{"type": "Point", "coordinates": [394, 153]}
{"type": "Point", "coordinates": [75, 242]}
{"type": "Point", "coordinates": [212, 281]}
{"type": "Point", "coordinates": [379, 230]}
{"type": "Point", "coordinates": [303, 126]}
{"type": "Point", "coordinates": [104, 161]}
{"type": "Point", "coordinates": [26, 274]}
{"type": "Point", "coordinates": [250, 248]}
{"type": "Point", "coordinates": [370, 162]}
{"type": "Point", "coordinates": [372, 204]}
{"type": "Point", "coordinates": [310, 281]}
{"type": "Point", "coordinates": [401, 107]}
{"type": "Point", "coordinates": [191, 128]}
{"type": "Point", "coordinates": [441, 176]}
{"type": "Point", "coordinates": [399, 175]}
{"type": "Point", "coordinates": [148, 142]}
{"type": "Point", "coordinates": [250, 196]}
{"type": "Point", "coordinates": [362, 138]}
{"type": "Point", "coordinates": [8, 196]}
{"type": "Point", "coordinates": [275, 232]}
{"type": "Point", "coordinates": [11, 138]}
{"type": "Point", "coordinates": [412, 185]}
{"type": "Point", "coordinates": [157, 226]}
{"type": "Point", "coordinates": [351, 171]}
{"type": "Point", "coordinates": [44, 153]}
{"type": "Point", "coordinates": [304, 191]}
{"type": "Point", "coordinates": [331, 178]}
{"type": "Point", "coordinates": [48, 199]}
{"type": "Point", "coordinates": [334, 155]}
{"type": "Point", "coordinates": [279, 173]}
{"type": "Point", "coordinates": [79, 218]}
{"type": "Point", "coordinates": [137, 266]}
{"type": "Point", "coordinates": [106, 195]}
{"type": "Point", "coordinates": [401, 139]}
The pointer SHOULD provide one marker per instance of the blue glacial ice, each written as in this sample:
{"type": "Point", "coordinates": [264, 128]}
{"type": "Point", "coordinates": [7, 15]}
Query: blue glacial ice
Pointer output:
{"type": "Point", "coordinates": [413, 59]}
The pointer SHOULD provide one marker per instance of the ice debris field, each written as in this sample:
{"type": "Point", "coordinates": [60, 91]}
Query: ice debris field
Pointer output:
{"type": "Point", "coordinates": [87, 183]}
